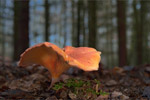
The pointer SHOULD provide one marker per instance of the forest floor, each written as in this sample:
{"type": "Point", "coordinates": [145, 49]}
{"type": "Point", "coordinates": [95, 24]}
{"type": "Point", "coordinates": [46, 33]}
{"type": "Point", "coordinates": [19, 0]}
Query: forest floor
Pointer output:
{"type": "Point", "coordinates": [127, 83]}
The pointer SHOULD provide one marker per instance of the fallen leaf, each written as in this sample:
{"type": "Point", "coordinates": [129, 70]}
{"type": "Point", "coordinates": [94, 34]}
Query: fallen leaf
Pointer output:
{"type": "Point", "coordinates": [116, 94]}
{"type": "Point", "coordinates": [102, 97]}
{"type": "Point", "coordinates": [72, 96]}
{"type": "Point", "coordinates": [63, 94]}
{"type": "Point", "coordinates": [52, 98]}
{"type": "Point", "coordinates": [117, 70]}
{"type": "Point", "coordinates": [111, 83]}
{"type": "Point", "coordinates": [28, 83]}
{"type": "Point", "coordinates": [124, 97]}
{"type": "Point", "coordinates": [16, 94]}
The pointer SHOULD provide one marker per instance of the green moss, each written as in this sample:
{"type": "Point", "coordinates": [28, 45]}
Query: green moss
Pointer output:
{"type": "Point", "coordinates": [97, 81]}
{"type": "Point", "coordinates": [97, 93]}
{"type": "Point", "coordinates": [79, 86]}
{"type": "Point", "coordinates": [74, 83]}
{"type": "Point", "coordinates": [58, 86]}
{"type": "Point", "coordinates": [103, 93]}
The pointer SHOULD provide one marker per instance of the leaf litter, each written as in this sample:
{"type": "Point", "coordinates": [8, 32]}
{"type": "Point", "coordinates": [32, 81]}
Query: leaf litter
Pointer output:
{"type": "Point", "coordinates": [117, 83]}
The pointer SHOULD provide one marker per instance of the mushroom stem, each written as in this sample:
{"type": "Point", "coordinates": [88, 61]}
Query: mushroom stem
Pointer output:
{"type": "Point", "coordinates": [53, 81]}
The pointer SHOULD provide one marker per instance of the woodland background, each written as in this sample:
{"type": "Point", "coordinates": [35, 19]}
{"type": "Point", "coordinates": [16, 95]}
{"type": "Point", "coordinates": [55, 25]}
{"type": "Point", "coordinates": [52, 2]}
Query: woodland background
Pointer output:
{"type": "Point", "coordinates": [120, 29]}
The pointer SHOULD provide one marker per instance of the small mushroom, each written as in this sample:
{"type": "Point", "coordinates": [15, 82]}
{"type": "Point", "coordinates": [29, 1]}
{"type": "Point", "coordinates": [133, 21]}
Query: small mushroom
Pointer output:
{"type": "Point", "coordinates": [58, 60]}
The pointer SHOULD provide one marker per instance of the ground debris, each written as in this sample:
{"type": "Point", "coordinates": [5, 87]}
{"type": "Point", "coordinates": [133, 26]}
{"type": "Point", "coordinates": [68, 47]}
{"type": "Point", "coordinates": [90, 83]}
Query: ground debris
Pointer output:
{"type": "Point", "coordinates": [72, 96]}
{"type": "Point", "coordinates": [146, 92]}
{"type": "Point", "coordinates": [111, 83]}
{"type": "Point", "coordinates": [125, 83]}
{"type": "Point", "coordinates": [116, 94]}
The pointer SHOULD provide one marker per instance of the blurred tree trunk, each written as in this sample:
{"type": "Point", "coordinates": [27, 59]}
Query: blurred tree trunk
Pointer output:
{"type": "Point", "coordinates": [2, 24]}
{"type": "Point", "coordinates": [145, 25]}
{"type": "Point", "coordinates": [121, 14]}
{"type": "Point", "coordinates": [82, 5]}
{"type": "Point", "coordinates": [78, 22]}
{"type": "Point", "coordinates": [65, 22]}
{"type": "Point", "coordinates": [139, 31]}
{"type": "Point", "coordinates": [108, 24]}
{"type": "Point", "coordinates": [74, 35]}
{"type": "Point", "coordinates": [107, 33]}
{"type": "Point", "coordinates": [47, 20]}
{"type": "Point", "coordinates": [21, 27]}
{"type": "Point", "coordinates": [111, 34]}
{"type": "Point", "coordinates": [83, 24]}
{"type": "Point", "coordinates": [134, 35]}
{"type": "Point", "coordinates": [92, 23]}
{"type": "Point", "coordinates": [139, 36]}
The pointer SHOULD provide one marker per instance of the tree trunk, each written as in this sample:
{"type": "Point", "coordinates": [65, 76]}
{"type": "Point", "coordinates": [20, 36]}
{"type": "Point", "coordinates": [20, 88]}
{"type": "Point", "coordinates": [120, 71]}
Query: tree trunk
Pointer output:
{"type": "Point", "coordinates": [145, 24]}
{"type": "Point", "coordinates": [121, 14]}
{"type": "Point", "coordinates": [78, 22]}
{"type": "Point", "coordinates": [92, 23]}
{"type": "Point", "coordinates": [46, 20]}
{"type": "Point", "coordinates": [83, 24]}
{"type": "Point", "coordinates": [65, 22]}
{"type": "Point", "coordinates": [140, 35]}
{"type": "Point", "coordinates": [139, 17]}
{"type": "Point", "coordinates": [74, 35]}
{"type": "Point", "coordinates": [21, 27]}
{"type": "Point", "coordinates": [2, 38]}
{"type": "Point", "coordinates": [82, 29]}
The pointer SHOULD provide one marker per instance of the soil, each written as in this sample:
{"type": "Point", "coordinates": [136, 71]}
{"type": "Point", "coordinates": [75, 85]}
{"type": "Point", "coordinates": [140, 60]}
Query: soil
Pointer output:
{"type": "Point", "coordinates": [118, 83]}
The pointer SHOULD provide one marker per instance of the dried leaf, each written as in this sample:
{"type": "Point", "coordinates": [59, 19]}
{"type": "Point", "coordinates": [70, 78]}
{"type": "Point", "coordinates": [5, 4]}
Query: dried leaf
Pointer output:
{"type": "Point", "coordinates": [102, 97]}
{"type": "Point", "coordinates": [72, 96]}
{"type": "Point", "coordinates": [111, 83]}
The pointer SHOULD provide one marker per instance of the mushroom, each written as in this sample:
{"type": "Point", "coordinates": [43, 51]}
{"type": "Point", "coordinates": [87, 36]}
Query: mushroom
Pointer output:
{"type": "Point", "coordinates": [58, 60]}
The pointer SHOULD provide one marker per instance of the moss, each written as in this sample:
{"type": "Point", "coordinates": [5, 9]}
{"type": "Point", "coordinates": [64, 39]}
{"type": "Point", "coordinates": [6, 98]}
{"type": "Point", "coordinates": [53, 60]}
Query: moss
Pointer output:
{"type": "Point", "coordinates": [79, 86]}
{"type": "Point", "coordinates": [58, 86]}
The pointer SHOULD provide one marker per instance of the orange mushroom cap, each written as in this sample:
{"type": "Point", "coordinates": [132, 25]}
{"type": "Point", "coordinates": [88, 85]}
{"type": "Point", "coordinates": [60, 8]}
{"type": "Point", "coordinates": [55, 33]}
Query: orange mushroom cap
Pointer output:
{"type": "Point", "coordinates": [47, 55]}
{"type": "Point", "coordinates": [84, 58]}
{"type": "Point", "coordinates": [57, 60]}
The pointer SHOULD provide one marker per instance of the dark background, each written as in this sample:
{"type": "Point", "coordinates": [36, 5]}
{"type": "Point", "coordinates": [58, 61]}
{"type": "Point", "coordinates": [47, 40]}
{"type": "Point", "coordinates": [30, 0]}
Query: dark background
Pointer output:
{"type": "Point", "coordinates": [120, 29]}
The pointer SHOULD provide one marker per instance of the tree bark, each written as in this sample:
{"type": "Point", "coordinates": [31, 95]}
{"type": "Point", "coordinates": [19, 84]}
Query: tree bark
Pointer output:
{"type": "Point", "coordinates": [92, 23]}
{"type": "Point", "coordinates": [65, 22]}
{"type": "Point", "coordinates": [83, 24]}
{"type": "Point", "coordinates": [140, 34]}
{"type": "Point", "coordinates": [74, 24]}
{"type": "Point", "coordinates": [78, 22]}
{"type": "Point", "coordinates": [145, 25]}
{"type": "Point", "coordinates": [21, 27]}
{"type": "Point", "coordinates": [46, 20]}
{"type": "Point", "coordinates": [121, 14]}
{"type": "Point", "coordinates": [2, 38]}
